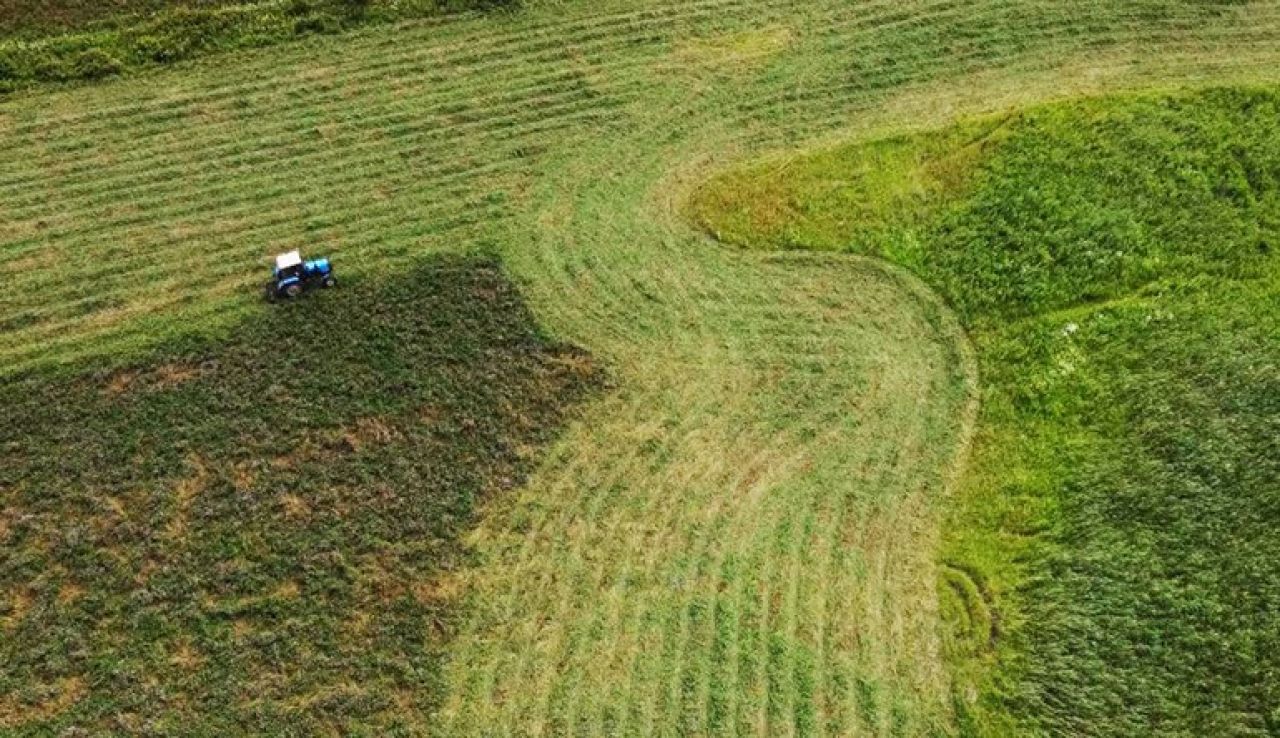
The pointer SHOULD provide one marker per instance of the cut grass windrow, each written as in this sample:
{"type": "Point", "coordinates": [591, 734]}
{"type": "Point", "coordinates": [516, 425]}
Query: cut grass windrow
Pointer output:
{"type": "Point", "coordinates": [741, 537]}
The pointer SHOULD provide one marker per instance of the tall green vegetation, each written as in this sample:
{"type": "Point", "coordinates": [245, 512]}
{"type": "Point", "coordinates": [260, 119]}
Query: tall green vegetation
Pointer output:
{"type": "Point", "coordinates": [741, 536]}
{"type": "Point", "coordinates": [257, 536]}
{"type": "Point", "coordinates": [1113, 563]}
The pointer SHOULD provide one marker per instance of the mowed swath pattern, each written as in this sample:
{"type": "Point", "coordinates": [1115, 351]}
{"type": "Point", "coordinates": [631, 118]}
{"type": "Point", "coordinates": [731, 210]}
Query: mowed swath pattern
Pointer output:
{"type": "Point", "coordinates": [128, 206]}
{"type": "Point", "coordinates": [738, 539]}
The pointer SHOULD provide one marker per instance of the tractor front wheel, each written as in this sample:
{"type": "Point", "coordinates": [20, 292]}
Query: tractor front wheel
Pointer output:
{"type": "Point", "coordinates": [330, 281]}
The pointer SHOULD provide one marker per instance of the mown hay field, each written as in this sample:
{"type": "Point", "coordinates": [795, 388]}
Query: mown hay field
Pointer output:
{"type": "Point", "coordinates": [742, 535]}
{"type": "Point", "coordinates": [1109, 548]}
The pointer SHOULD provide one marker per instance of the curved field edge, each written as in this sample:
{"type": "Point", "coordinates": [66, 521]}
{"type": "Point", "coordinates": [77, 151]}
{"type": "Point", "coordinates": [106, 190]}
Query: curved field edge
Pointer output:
{"type": "Point", "coordinates": [739, 538]}
{"type": "Point", "coordinates": [144, 208]}
{"type": "Point", "coordinates": [565, 138]}
{"type": "Point", "coordinates": [1107, 567]}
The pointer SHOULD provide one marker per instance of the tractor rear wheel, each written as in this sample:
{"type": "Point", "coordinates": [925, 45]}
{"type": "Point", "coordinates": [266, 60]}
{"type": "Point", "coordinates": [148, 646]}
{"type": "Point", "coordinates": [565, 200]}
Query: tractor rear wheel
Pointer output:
{"type": "Point", "coordinates": [270, 291]}
{"type": "Point", "coordinates": [293, 290]}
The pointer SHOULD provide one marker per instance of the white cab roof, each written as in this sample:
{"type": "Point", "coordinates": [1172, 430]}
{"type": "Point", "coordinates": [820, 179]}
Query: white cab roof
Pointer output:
{"type": "Point", "coordinates": [289, 259]}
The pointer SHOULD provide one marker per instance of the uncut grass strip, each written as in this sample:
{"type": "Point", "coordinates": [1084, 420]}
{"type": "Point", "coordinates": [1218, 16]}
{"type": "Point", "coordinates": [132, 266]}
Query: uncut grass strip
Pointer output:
{"type": "Point", "coordinates": [551, 49]}
{"type": "Point", "coordinates": [153, 179]}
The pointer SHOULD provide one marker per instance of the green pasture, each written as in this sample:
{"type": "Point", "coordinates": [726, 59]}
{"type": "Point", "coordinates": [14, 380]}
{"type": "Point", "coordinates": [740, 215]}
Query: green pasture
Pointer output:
{"type": "Point", "coordinates": [771, 521]}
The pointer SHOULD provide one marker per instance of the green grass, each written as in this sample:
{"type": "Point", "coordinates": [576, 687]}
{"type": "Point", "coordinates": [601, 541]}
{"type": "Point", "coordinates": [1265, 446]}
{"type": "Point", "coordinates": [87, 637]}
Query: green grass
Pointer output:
{"type": "Point", "coordinates": [1114, 261]}
{"type": "Point", "coordinates": [29, 18]}
{"type": "Point", "coordinates": [742, 536]}
{"type": "Point", "coordinates": [60, 41]}
{"type": "Point", "coordinates": [257, 535]}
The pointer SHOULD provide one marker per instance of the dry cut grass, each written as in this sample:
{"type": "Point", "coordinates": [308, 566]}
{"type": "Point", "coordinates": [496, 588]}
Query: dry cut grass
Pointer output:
{"type": "Point", "coordinates": [740, 539]}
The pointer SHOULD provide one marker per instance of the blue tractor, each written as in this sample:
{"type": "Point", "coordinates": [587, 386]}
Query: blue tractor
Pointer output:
{"type": "Point", "coordinates": [292, 276]}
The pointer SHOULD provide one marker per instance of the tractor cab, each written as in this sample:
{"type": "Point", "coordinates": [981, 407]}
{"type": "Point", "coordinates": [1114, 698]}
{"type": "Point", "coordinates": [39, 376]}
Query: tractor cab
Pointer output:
{"type": "Point", "coordinates": [292, 276]}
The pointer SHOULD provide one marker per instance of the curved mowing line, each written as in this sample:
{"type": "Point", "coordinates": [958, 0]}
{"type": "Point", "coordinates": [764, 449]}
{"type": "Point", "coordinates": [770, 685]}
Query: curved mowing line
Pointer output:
{"type": "Point", "coordinates": [734, 541]}
{"type": "Point", "coordinates": [353, 175]}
